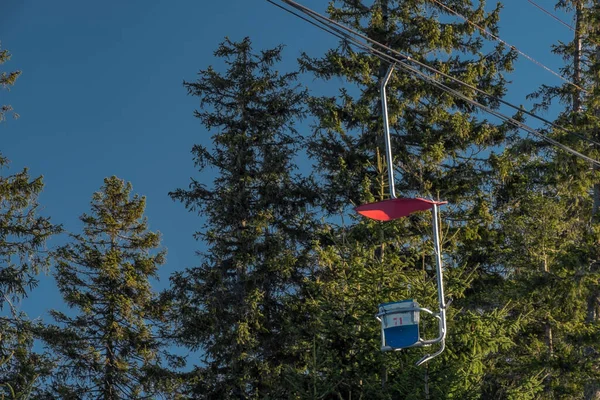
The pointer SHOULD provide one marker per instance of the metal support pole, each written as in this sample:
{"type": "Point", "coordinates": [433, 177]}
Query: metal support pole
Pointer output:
{"type": "Point", "coordinates": [438, 262]}
{"type": "Point", "coordinates": [440, 286]}
{"type": "Point", "coordinates": [386, 128]}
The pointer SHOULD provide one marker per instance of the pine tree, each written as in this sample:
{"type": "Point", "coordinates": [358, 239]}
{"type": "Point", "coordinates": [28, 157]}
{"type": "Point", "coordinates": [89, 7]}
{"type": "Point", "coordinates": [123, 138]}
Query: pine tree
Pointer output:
{"type": "Point", "coordinates": [543, 255]}
{"type": "Point", "coordinates": [7, 79]}
{"type": "Point", "coordinates": [235, 307]}
{"type": "Point", "coordinates": [107, 347]}
{"type": "Point", "coordinates": [551, 235]}
{"type": "Point", "coordinates": [441, 150]}
{"type": "Point", "coordinates": [23, 235]}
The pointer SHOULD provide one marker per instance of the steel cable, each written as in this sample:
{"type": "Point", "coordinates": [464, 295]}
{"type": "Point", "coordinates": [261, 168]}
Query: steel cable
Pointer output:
{"type": "Point", "coordinates": [498, 39]}
{"type": "Point", "coordinates": [388, 58]}
{"type": "Point", "coordinates": [326, 21]}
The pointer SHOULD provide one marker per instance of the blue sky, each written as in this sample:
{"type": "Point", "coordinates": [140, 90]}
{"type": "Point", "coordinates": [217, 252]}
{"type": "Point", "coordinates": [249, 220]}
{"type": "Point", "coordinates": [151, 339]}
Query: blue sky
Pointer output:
{"type": "Point", "coordinates": [101, 94]}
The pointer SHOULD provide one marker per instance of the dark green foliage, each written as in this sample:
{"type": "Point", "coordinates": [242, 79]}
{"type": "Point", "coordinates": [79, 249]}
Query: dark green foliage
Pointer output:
{"type": "Point", "coordinates": [23, 235]}
{"type": "Point", "coordinates": [7, 79]}
{"type": "Point", "coordinates": [21, 369]}
{"type": "Point", "coordinates": [442, 150]}
{"type": "Point", "coordinates": [437, 138]}
{"type": "Point", "coordinates": [282, 307]}
{"type": "Point", "coordinates": [549, 248]}
{"type": "Point", "coordinates": [108, 346]}
{"type": "Point", "coordinates": [543, 254]}
{"type": "Point", "coordinates": [234, 306]}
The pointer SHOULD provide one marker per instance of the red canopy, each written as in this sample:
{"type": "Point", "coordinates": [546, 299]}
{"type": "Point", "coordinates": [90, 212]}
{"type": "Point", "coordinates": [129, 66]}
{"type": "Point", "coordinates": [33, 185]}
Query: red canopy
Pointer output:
{"type": "Point", "coordinates": [391, 209]}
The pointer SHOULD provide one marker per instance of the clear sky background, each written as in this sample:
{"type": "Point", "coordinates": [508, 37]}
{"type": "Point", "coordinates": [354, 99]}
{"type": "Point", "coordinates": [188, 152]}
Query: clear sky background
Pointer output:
{"type": "Point", "coordinates": [101, 94]}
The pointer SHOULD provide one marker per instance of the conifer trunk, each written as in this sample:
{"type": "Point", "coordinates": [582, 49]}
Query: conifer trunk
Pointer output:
{"type": "Point", "coordinates": [109, 372]}
{"type": "Point", "coordinates": [577, 59]}
{"type": "Point", "coordinates": [548, 327]}
{"type": "Point", "coordinates": [592, 389]}
{"type": "Point", "coordinates": [596, 206]}
{"type": "Point", "coordinates": [427, 396]}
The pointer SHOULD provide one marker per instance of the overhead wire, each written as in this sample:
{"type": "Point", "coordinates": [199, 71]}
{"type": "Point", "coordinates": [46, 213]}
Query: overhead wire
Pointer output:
{"type": "Point", "coordinates": [561, 21]}
{"type": "Point", "coordinates": [324, 20]}
{"type": "Point", "coordinates": [306, 19]}
{"type": "Point", "coordinates": [502, 116]}
{"type": "Point", "coordinates": [552, 15]}
{"type": "Point", "coordinates": [329, 22]}
{"type": "Point", "coordinates": [498, 39]}
{"type": "Point", "coordinates": [347, 36]}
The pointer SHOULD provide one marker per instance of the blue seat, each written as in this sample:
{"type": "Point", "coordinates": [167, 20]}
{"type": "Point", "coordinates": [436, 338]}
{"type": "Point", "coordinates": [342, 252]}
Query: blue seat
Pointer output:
{"type": "Point", "coordinates": [399, 324]}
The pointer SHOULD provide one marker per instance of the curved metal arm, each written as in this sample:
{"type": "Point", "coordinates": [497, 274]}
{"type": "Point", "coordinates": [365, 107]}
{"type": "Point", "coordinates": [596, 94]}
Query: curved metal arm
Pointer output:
{"type": "Point", "coordinates": [404, 310]}
{"type": "Point", "coordinates": [430, 356]}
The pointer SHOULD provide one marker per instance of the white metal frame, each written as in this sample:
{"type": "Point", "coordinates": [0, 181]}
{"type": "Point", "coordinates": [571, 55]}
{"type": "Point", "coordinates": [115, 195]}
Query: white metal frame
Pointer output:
{"type": "Point", "coordinates": [441, 314]}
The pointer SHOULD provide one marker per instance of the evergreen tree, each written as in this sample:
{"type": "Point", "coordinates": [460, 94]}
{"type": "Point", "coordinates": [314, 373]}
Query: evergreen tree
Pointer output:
{"type": "Point", "coordinates": [108, 347]}
{"type": "Point", "coordinates": [7, 79]}
{"type": "Point", "coordinates": [551, 236]}
{"type": "Point", "coordinates": [235, 306]}
{"type": "Point", "coordinates": [543, 256]}
{"type": "Point", "coordinates": [23, 235]}
{"type": "Point", "coordinates": [442, 149]}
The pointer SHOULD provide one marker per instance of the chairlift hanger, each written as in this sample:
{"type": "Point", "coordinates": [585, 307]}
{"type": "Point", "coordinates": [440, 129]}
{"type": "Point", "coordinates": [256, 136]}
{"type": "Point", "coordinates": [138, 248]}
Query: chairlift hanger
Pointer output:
{"type": "Point", "coordinates": [400, 320]}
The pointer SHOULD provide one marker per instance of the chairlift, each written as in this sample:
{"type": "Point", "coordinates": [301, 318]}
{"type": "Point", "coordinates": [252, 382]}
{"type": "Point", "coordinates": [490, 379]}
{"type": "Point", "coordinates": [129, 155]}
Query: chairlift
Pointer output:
{"type": "Point", "coordinates": [400, 320]}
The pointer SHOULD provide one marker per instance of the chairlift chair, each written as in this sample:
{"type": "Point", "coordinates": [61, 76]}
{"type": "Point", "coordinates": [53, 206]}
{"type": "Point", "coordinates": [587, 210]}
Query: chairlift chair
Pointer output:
{"type": "Point", "coordinates": [400, 319]}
